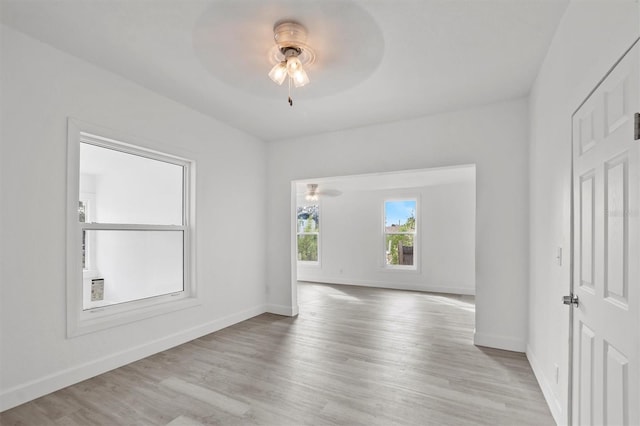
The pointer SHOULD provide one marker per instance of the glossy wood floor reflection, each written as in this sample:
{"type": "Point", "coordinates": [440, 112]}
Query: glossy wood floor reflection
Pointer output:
{"type": "Point", "coordinates": [354, 356]}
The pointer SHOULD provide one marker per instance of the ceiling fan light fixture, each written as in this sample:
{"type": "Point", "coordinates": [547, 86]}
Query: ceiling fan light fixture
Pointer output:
{"type": "Point", "coordinates": [293, 65]}
{"type": "Point", "coordinates": [292, 54]}
{"type": "Point", "coordinates": [312, 192]}
{"type": "Point", "coordinates": [300, 78]}
{"type": "Point", "coordinates": [278, 73]}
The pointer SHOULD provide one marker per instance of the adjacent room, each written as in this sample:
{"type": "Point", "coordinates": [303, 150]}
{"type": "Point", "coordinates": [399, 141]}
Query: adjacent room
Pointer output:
{"type": "Point", "coordinates": [319, 212]}
{"type": "Point", "coordinates": [410, 230]}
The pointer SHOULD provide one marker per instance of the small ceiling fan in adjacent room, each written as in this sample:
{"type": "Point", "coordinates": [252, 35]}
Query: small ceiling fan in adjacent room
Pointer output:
{"type": "Point", "coordinates": [314, 192]}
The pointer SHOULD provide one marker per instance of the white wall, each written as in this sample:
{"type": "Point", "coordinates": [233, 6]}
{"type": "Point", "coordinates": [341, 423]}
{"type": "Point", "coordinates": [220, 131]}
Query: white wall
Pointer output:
{"type": "Point", "coordinates": [41, 87]}
{"type": "Point", "coordinates": [352, 242]}
{"type": "Point", "coordinates": [493, 137]}
{"type": "Point", "coordinates": [591, 37]}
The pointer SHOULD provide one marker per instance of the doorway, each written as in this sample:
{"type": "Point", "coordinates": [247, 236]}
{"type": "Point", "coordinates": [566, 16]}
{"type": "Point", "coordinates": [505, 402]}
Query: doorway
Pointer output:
{"type": "Point", "coordinates": [346, 227]}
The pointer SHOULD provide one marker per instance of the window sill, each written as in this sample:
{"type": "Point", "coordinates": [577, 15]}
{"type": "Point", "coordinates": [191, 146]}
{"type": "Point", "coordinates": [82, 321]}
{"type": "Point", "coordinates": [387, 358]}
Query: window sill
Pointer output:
{"type": "Point", "coordinates": [96, 319]}
{"type": "Point", "coordinates": [308, 264]}
{"type": "Point", "coordinates": [400, 268]}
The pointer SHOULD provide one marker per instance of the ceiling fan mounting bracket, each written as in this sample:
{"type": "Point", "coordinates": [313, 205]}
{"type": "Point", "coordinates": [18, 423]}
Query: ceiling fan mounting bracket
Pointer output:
{"type": "Point", "coordinates": [290, 51]}
{"type": "Point", "coordinates": [289, 33]}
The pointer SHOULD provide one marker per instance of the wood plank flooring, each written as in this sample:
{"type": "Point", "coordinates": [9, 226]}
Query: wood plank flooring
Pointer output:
{"type": "Point", "coordinates": [354, 356]}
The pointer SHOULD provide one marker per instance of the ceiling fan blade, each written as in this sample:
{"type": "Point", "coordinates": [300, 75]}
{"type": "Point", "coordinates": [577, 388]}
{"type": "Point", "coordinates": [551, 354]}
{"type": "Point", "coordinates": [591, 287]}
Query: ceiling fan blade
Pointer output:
{"type": "Point", "coordinates": [330, 192]}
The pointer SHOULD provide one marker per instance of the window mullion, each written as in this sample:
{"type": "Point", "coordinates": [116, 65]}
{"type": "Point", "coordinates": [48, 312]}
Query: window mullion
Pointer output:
{"type": "Point", "coordinates": [128, 226]}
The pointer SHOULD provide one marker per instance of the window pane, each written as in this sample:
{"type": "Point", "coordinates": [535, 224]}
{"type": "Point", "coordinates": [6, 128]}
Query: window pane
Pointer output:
{"type": "Point", "coordinates": [400, 216]}
{"type": "Point", "coordinates": [129, 188]}
{"type": "Point", "coordinates": [399, 249]}
{"type": "Point", "coordinates": [134, 265]}
{"type": "Point", "coordinates": [308, 219]}
{"type": "Point", "coordinates": [308, 247]}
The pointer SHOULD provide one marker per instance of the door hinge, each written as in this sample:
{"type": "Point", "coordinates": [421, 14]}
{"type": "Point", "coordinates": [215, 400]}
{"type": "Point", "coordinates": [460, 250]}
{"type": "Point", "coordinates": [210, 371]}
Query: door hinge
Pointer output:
{"type": "Point", "coordinates": [636, 126]}
{"type": "Point", "coordinates": [570, 300]}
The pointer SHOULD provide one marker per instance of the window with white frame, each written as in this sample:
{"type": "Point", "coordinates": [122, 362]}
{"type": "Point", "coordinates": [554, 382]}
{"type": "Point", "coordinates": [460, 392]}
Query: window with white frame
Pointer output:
{"type": "Point", "coordinates": [130, 234]}
{"type": "Point", "coordinates": [400, 226]}
{"type": "Point", "coordinates": [308, 233]}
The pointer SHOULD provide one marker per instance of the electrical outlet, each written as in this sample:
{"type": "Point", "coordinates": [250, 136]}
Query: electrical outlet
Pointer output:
{"type": "Point", "coordinates": [559, 256]}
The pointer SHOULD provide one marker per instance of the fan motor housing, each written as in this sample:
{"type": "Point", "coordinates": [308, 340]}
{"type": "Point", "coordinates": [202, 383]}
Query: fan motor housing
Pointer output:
{"type": "Point", "coordinates": [292, 35]}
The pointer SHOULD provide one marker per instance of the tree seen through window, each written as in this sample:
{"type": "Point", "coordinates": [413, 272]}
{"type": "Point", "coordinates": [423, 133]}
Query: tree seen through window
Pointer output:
{"type": "Point", "coordinates": [400, 231]}
{"type": "Point", "coordinates": [308, 228]}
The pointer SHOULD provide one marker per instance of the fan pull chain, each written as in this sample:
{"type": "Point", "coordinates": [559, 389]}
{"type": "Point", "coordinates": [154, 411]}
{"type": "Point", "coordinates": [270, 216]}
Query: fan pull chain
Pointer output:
{"type": "Point", "coordinates": [290, 100]}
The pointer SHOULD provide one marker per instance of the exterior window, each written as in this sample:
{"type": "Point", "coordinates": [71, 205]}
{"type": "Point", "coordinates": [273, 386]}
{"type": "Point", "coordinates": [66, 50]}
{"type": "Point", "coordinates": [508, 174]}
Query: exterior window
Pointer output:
{"type": "Point", "coordinates": [130, 232]}
{"type": "Point", "coordinates": [400, 233]}
{"type": "Point", "coordinates": [308, 233]}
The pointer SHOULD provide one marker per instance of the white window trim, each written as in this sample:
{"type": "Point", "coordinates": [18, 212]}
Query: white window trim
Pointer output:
{"type": "Point", "coordinates": [81, 321]}
{"type": "Point", "coordinates": [416, 237]}
{"type": "Point", "coordinates": [309, 263]}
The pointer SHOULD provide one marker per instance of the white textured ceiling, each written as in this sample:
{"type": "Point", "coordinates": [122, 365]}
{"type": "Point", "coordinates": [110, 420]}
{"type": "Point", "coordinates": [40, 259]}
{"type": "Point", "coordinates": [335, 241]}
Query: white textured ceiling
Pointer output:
{"type": "Point", "coordinates": [378, 60]}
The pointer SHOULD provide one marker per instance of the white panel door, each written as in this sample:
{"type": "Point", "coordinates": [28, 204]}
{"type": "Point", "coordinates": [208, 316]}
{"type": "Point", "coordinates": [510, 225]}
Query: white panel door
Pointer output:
{"type": "Point", "coordinates": [606, 275]}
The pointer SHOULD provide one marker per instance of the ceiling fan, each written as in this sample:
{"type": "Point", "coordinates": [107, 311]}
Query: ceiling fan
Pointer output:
{"type": "Point", "coordinates": [292, 55]}
{"type": "Point", "coordinates": [313, 192]}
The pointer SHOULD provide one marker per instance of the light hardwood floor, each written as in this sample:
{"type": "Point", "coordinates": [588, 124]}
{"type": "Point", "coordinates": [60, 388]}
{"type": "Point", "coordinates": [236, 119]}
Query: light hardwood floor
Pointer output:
{"type": "Point", "coordinates": [354, 356]}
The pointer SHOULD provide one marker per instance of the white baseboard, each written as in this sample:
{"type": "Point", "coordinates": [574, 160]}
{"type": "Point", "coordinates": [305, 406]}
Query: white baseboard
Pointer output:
{"type": "Point", "coordinates": [26, 392]}
{"type": "Point", "coordinates": [552, 401]}
{"type": "Point", "coordinates": [286, 310]}
{"type": "Point", "coordinates": [393, 285]}
{"type": "Point", "coordinates": [498, 342]}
